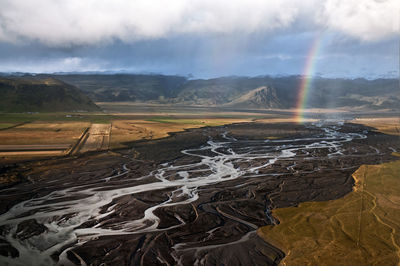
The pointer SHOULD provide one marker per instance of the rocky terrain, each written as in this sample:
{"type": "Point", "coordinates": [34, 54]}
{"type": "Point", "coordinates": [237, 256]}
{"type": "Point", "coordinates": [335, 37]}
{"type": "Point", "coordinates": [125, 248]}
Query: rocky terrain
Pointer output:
{"type": "Point", "coordinates": [262, 97]}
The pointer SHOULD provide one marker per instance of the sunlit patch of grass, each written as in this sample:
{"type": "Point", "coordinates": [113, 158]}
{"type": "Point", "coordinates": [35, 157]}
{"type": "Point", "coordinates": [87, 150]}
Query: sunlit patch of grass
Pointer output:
{"type": "Point", "coordinates": [199, 121]}
{"type": "Point", "coordinates": [125, 131]}
{"type": "Point", "coordinates": [43, 133]}
{"type": "Point", "coordinates": [362, 228]}
{"type": "Point", "coordinates": [389, 125]}
{"type": "Point", "coordinates": [6, 125]}
{"type": "Point", "coordinates": [175, 121]}
{"type": "Point", "coordinates": [56, 117]}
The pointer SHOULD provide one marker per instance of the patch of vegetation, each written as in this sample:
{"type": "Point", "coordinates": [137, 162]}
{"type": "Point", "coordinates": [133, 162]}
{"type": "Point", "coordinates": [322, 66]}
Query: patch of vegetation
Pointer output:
{"type": "Point", "coordinates": [56, 117]}
{"type": "Point", "coordinates": [43, 133]}
{"type": "Point", "coordinates": [28, 94]}
{"type": "Point", "coordinates": [389, 126]}
{"type": "Point", "coordinates": [196, 122]}
{"type": "Point", "coordinates": [126, 131]}
{"type": "Point", "coordinates": [125, 87]}
{"type": "Point", "coordinates": [178, 121]}
{"type": "Point", "coordinates": [363, 228]}
{"type": "Point", "coordinates": [6, 125]}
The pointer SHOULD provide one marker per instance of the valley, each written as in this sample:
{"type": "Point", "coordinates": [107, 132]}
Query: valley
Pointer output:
{"type": "Point", "coordinates": [199, 133]}
{"type": "Point", "coordinates": [195, 197]}
{"type": "Point", "coordinates": [235, 92]}
{"type": "Point", "coordinates": [227, 170]}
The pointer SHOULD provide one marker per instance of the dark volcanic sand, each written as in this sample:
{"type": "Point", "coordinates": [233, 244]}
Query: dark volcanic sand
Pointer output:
{"type": "Point", "coordinates": [194, 198]}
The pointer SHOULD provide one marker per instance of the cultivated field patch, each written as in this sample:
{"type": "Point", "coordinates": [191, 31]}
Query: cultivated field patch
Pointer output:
{"type": "Point", "coordinates": [98, 138]}
{"type": "Point", "coordinates": [35, 140]}
{"type": "Point", "coordinates": [43, 133]}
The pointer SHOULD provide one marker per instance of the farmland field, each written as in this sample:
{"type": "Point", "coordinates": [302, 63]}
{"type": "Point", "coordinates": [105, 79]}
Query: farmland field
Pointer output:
{"type": "Point", "coordinates": [33, 140]}
{"type": "Point", "coordinates": [43, 133]}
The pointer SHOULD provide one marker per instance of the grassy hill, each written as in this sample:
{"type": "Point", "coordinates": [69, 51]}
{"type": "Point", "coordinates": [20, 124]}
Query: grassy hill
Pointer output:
{"type": "Point", "coordinates": [29, 94]}
{"type": "Point", "coordinates": [262, 97]}
{"type": "Point", "coordinates": [123, 87]}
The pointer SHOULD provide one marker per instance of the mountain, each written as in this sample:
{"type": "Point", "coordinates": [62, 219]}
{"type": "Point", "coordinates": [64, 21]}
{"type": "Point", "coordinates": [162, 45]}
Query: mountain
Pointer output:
{"type": "Point", "coordinates": [240, 92]}
{"type": "Point", "coordinates": [124, 87]}
{"type": "Point", "coordinates": [31, 94]}
{"type": "Point", "coordinates": [375, 94]}
{"type": "Point", "coordinates": [322, 92]}
{"type": "Point", "coordinates": [262, 97]}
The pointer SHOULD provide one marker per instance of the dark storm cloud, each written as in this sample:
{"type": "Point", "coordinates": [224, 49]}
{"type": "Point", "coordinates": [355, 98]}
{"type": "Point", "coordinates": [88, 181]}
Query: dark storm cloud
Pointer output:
{"type": "Point", "coordinates": [204, 38]}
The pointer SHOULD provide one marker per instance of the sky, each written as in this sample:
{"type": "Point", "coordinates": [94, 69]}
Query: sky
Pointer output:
{"type": "Point", "coordinates": [201, 38]}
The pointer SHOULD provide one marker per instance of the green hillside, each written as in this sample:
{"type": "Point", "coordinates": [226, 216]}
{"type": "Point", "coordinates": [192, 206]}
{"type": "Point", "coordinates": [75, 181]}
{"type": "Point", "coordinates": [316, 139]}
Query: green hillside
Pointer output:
{"type": "Point", "coordinates": [124, 87]}
{"type": "Point", "coordinates": [29, 94]}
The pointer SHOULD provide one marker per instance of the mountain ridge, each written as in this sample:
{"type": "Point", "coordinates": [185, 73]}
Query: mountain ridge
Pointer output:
{"type": "Point", "coordinates": [262, 97]}
{"type": "Point", "coordinates": [29, 94]}
{"type": "Point", "coordinates": [235, 91]}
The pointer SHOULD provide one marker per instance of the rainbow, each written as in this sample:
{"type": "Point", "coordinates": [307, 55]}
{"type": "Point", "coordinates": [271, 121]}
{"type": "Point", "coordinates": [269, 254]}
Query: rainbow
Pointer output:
{"type": "Point", "coordinates": [306, 79]}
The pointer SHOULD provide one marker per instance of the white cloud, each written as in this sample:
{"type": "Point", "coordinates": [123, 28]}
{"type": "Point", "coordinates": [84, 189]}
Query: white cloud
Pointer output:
{"type": "Point", "coordinates": [282, 57]}
{"type": "Point", "coordinates": [65, 64]}
{"type": "Point", "coordinates": [77, 22]}
{"type": "Point", "coordinates": [368, 20]}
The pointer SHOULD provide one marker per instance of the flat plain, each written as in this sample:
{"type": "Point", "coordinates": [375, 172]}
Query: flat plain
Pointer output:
{"type": "Point", "coordinates": [83, 132]}
{"type": "Point", "coordinates": [202, 186]}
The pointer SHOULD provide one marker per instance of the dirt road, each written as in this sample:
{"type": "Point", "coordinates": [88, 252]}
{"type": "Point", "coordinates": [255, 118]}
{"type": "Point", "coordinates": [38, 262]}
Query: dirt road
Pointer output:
{"type": "Point", "coordinates": [98, 138]}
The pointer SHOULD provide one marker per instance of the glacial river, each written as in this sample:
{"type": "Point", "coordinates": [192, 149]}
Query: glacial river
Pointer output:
{"type": "Point", "coordinates": [63, 212]}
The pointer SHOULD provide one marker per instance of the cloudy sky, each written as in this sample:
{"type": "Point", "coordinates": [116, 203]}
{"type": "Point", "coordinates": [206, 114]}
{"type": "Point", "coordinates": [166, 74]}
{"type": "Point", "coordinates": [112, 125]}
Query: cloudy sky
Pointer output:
{"type": "Point", "coordinates": [203, 38]}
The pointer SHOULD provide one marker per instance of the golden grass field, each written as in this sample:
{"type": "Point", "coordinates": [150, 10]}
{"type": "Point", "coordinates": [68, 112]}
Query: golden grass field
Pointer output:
{"type": "Point", "coordinates": [132, 130]}
{"type": "Point", "coordinates": [284, 120]}
{"type": "Point", "coordinates": [6, 125]}
{"type": "Point", "coordinates": [43, 133]}
{"type": "Point", "coordinates": [385, 125]}
{"type": "Point", "coordinates": [39, 134]}
{"type": "Point", "coordinates": [122, 131]}
{"type": "Point", "coordinates": [362, 228]}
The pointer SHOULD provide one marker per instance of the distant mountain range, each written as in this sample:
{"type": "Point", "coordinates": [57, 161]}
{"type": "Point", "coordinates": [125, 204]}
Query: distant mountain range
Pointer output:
{"type": "Point", "coordinates": [262, 92]}
{"type": "Point", "coordinates": [124, 87]}
{"type": "Point", "coordinates": [254, 92]}
{"type": "Point", "coordinates": [28, 94]}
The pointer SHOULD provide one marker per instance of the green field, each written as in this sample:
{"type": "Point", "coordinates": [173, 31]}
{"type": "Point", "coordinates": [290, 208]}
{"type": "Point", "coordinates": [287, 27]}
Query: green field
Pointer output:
{"type": "Point", "coordinates": [13, 118]}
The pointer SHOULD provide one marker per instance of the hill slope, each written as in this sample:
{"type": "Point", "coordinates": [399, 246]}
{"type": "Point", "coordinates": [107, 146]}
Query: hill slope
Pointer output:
{"type": "Point", "coordinates": [29, 94]}
{"type": "Point", "coordinates": [125, 87]}
{"type": "Point", "coordinates": [262, 97]}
